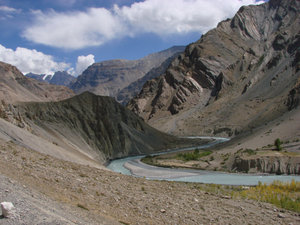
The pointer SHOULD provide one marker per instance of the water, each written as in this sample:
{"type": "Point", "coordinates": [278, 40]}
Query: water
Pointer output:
{"type": "Point", "coordinates": [185, 175]}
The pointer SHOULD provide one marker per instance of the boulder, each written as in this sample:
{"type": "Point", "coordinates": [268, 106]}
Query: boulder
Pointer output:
{"type": "Point", "coordinates": [8, 209]}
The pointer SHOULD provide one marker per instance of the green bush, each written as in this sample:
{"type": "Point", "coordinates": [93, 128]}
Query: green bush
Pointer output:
{"type": "Point", "coordinates": [277, 144]}
{"type": "Point", "coordinates": [195, 155]}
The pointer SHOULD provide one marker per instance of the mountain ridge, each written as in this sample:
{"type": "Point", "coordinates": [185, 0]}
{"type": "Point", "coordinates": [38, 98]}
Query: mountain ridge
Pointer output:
{"type": "Point", "coordinates": [15, 87]}
{"type": "Point", "coordinates": [109, 77]}
{"type": "Point", "coordinates": [235, 69]}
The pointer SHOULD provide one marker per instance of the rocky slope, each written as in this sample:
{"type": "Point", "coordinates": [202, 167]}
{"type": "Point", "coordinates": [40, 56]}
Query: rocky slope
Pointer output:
{"type": "Point", "coordinates": [127, 93]}
{"type": "Point", "coordinates": [15, 87]}
{"type": "Point", "coordinates": [90, 126]}
{"type": "Point", "coordinates": [58, 78]}
{"type": "Point", "coordinates": [238, 76]}
{"type": "Point", "coordinates": [109, 77]}
{"type": "Point", "coordinates": [69, 193]}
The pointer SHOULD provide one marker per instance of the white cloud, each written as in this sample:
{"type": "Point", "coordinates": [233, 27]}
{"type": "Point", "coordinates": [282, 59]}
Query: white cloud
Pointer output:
{"type": "Point", "coordinates": [8, 12]}
{"type": "Point", "coordinates": [83, 62]}
{"type": "Point", "coordinates": [8, 9]}
{"type": "Point", "coordinates": [164, 17]}
{"type": "Point", "coordinates": [74, 30]}
{"type": "Point", "coordinates": [96, 26]}
{"type": "Point", "coordinates": [28, 60]}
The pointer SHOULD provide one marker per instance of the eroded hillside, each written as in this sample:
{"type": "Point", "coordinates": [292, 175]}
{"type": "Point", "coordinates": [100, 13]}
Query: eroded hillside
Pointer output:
{"type": "Point", "coordinates": [238, 76]}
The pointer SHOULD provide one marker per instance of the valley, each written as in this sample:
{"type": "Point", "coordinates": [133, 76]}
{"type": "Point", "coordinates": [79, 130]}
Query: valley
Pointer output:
{"type": "Point", "coordinates": [119, 144]}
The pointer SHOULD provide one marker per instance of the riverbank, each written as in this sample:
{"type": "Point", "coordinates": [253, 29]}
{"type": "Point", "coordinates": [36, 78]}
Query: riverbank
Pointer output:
{"type": "Point", "coordinates": [267, 160]}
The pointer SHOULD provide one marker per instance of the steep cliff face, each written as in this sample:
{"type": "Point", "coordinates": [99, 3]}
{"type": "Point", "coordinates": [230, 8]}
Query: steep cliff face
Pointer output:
{"type": "Point", "coordinates": [238, 75]}
{"type": "Point", "coordinates": [15, 87]}
{"type": "Point", "coordinates": [271, 164]}
{"type": "Point", "coordinates": [109, 77]}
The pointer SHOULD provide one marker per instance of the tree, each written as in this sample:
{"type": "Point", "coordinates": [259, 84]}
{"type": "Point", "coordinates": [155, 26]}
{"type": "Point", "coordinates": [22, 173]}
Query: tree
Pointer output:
{"type": "Point", "coordinates": [278, 144]}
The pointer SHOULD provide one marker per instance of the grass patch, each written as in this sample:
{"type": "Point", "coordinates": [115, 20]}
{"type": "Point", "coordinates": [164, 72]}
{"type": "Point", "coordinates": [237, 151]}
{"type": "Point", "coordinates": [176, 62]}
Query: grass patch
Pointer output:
{"type": "Point", "coordinates": [195, 155]}
{"type": "Point", "coordinates": [281, 194]}
{"type": "Point", "coordinates": [249, 152]}
{"type": "Point", "coordinates": [149, 160]}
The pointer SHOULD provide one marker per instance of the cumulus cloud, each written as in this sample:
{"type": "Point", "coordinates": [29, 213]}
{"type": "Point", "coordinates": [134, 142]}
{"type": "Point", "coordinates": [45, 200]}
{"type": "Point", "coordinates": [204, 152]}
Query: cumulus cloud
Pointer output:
{"type": "Point", "coordinates": [74, 30]}
{"type": "Point", "coordinates": [165, 17]}
{"type": "Point", "coordinates": [28, 60]}
{"type": "Point", "coordinates": [84, 62]}
{"type": "Point", "coordinates": [96, 26]}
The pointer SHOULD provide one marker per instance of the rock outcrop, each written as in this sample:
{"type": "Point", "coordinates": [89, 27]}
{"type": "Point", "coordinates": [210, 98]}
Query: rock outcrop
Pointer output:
{"type": "Point", "coordinates": [237, 76]}
{"type": "Point", "coordinates": [267, 164]}
{"type": "Point", "coordinates": [127, 93]}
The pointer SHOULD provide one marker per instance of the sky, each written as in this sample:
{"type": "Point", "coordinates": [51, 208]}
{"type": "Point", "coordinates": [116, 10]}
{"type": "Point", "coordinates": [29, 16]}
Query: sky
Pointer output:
{"type": "Point", "coordinates": [44, 36]}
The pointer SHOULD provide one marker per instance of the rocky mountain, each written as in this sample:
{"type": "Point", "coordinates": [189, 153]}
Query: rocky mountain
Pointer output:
{"type": "Point", "coordinates": [62, 78]}
{"type": "Point", "coordinates": [39, 77]}
{"type": "Point", "coordinates": [58, 78]}
{"type": "Point", "coordinates": [15, 87]}
{"type": "Point", "coordinates": [127, 93]}
{"type": "Point", "coordinates": [238, 76]}
{"type": "Point", "coordinates": [109, 77]}
{"type": "Point", "coordinates": [88, 128]}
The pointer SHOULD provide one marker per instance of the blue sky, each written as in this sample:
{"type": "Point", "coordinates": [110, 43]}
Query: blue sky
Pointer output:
{"type": "Point", "coordinates": [44, 36]}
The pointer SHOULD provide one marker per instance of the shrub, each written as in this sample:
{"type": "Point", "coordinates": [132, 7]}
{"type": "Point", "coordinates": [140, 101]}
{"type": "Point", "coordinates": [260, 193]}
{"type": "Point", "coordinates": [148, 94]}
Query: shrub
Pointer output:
{"type": "Point", "coordinates": [282, 194]}
{"type": "Point", "coordinates": [195, 155]}
{"type": "Point", "coordinates": [249, 151]}
{"type": "Point", "coordinates": [277, 144]}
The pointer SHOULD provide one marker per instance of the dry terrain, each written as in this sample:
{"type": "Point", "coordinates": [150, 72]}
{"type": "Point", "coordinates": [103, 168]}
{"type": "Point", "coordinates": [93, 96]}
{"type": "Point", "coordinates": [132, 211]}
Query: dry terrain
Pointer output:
{"type": "Point", "coordinates": [46, 190]}
{"type": "Point", "coordinates": [252, 152]}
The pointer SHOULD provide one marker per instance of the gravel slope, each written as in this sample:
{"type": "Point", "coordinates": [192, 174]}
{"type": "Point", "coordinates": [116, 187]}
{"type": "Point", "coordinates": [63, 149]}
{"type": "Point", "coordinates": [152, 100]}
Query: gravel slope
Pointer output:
{"type": "Point", "coordinates": [54, 189]}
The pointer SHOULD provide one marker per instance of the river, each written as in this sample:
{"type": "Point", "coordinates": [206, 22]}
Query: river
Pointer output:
{"type": "Point", "coordinates": [133, 166]}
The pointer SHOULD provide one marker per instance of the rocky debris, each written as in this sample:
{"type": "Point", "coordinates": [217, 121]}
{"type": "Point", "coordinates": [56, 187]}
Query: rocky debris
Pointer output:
{"type": "Point", "coordinates": [8, 209]}
{"type": "Point", "coordinates": [280, 215]}
{"type": "Point", "coordinates": [245, 58]}
{"type": "Point", "coordinates": [113, 198]}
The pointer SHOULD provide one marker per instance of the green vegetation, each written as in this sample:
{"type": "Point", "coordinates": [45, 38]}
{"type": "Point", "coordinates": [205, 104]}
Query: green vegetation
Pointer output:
{"type": "Point", "coordinates": [195, 155]}
{"type": "Point", "coordinates": [282, 194]}
{"type": "Point", "coordinates": [149, 159]}
{"type": "Point", "coordinates": [277, 144]}
{"type": "Point", "coordinates": [249, 151]}
{"type": "Point", "coordinates": [260, 61]}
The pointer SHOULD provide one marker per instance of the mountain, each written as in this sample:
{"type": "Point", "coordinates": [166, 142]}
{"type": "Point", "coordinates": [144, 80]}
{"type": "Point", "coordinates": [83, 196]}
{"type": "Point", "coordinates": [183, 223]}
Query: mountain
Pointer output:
{"type": "Point", "coordinates": [134, 88]}
{"type": "Point", "coordinates": [87, 128]}
{"type": "Point", "coordinates": [58, 78]}
{"type": "Point", "coordinates": [15, 87]}
{"type": "Point", "coordinates": [109, 77]}
{"type": "Point", "coordinates": [238, 76]}
{"type": "Point", "coordinates": [39, 77]}
{"type": "Point", "coordinates": [62, 78]}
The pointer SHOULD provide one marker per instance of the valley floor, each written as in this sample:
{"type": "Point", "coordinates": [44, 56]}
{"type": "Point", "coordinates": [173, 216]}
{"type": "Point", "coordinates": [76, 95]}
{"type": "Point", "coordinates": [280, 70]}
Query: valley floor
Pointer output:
{"type": "Point", "coordinates": [46, 190]}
